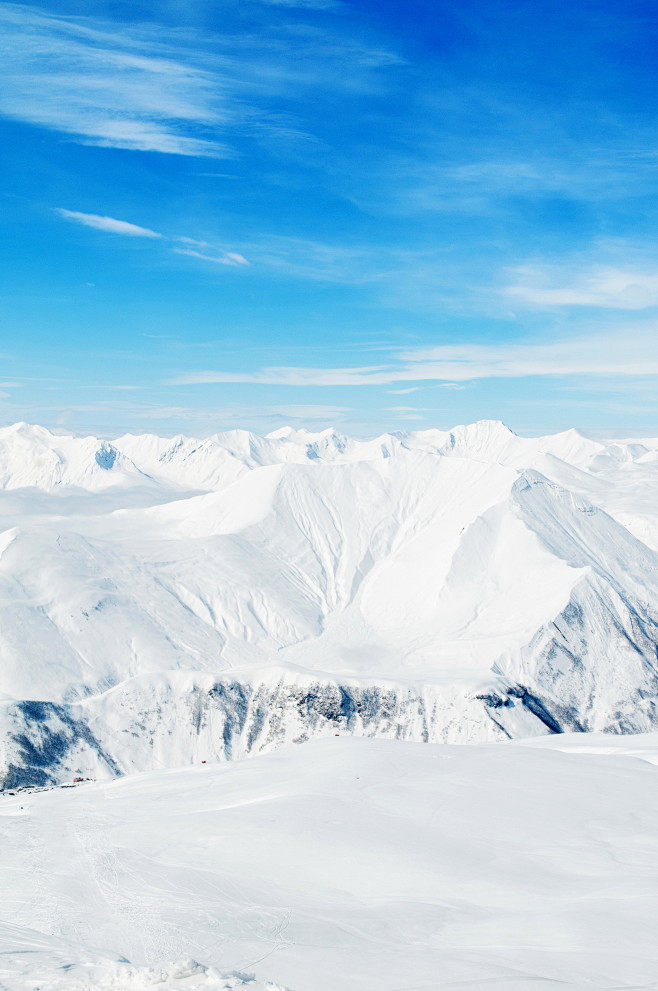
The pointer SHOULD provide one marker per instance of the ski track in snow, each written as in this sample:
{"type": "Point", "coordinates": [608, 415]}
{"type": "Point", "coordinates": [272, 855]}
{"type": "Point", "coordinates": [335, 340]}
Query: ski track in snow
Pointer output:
{"type": "Point", "coordinates": [369, 865]}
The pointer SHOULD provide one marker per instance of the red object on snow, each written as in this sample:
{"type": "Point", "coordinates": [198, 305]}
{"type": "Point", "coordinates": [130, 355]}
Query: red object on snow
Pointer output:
{"type": "Point", "coordinates": [203, 762]}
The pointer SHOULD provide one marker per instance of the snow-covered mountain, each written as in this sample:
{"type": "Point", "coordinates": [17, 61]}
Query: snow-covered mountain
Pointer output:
{"type": "Point", "coordinates": [167, 601]}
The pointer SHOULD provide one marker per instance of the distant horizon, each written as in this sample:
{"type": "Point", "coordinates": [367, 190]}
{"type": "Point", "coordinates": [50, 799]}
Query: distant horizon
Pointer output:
{"type": "Point", "coordinates": [109, 436]}
{"type": "Point", "coordinates": [383, 217]}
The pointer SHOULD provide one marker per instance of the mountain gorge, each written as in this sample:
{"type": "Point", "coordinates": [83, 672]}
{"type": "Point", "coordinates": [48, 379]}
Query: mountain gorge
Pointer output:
{"type": "Point", "coordinates": [173, 601]}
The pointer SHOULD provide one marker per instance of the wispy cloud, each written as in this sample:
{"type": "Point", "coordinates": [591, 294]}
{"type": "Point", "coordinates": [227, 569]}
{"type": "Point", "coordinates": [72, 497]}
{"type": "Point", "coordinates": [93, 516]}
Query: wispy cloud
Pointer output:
{"type": "Point", "coordinates": [414, 409]}
{"type": "Point", "coordinates": [598, 286]}
{"type": "Point", "coordinates": [102, 88]}
{"type": "Point", "coordinates": [291, 375]}
{"type": "Point", "coordinates": [111, 226]}
{"type": "Point", "coordinates": [632, 350]}
{"type": "Point", "coordinates": [418, 388]}
{"type": "Point", "coordinates": [108, 224]}
{"type": "Point", "coordinates": [202, 420]}
{"type": "Point", "coordinates": [228, 258]}
{"type": "Point", "coordinates": [146, 411]}
{"type": "Point", "coordinates": [317, 260]}
{"type": "Point", "coordinates": [628, 352]}
{"type": "Point", "coordinates": [305, 4]}
{"type": "Point", "coordinates": [303, 413]}
{"type": "Point", "coordinates": [415, 275]}
{"type": "Point", "coordinates": [144, 89]}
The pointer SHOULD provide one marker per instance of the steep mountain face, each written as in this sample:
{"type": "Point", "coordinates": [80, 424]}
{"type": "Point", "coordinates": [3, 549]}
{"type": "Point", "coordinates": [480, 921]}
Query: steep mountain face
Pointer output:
{"type": "Point", "coordinates": [167, 601]}
{"type": "Point", "coordinates": [32, 456]}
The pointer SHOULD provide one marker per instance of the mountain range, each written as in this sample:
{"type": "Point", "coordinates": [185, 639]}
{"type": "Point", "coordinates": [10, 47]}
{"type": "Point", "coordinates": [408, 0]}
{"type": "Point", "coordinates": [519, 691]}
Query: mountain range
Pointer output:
{"type": "Point", "coordinates": [169, 601]}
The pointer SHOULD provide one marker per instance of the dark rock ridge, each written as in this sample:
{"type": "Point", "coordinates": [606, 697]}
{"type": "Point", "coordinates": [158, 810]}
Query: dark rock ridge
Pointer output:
{"type": "Point", "coordinates": [175, 721]}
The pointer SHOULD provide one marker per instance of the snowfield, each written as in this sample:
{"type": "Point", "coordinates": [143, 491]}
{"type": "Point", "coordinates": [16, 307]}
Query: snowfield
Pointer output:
{"type": "Point", "coordinates": [168, 601]}
{"type": "Point", "coordinates": [352, 864]}
{"type": "Point", "coordinates": [336, 608]}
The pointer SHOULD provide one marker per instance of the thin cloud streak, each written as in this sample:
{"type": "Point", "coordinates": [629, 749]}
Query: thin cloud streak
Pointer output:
{"type": "Point", "coordinates": [229, 258]}
{"type": "Point", "coordinates": [209, 420]}
{"type": "Point", "coordinates": [632, 353]}
{"type": "Point", "coordinates": [108, 224]}
{"type": "Point", "coordinates": [305, 4]}
{"type": "Point", "coordinates": [602, 286]}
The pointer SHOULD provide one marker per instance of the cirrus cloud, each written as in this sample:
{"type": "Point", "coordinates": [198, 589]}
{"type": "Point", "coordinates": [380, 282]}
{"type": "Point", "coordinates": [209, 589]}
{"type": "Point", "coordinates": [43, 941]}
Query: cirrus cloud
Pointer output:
{"type": "Point", "coordinates": [108, 224]}
{"type": "Point", "coordinates": [228, 258]}
{"type": "Point", "coordinates": [631, 352]}
{"type": "Point", "coordinates": [105, 87]}
{"type": "Point", "coordinates": [603, 286]}
{"type": "Point", "coordinates": [143, 88]}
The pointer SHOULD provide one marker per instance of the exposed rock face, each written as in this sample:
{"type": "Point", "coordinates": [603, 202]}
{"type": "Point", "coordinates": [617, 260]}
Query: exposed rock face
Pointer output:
{"type": "Point", "coordinates": [141, 725]}
{"type": "Point", "coordinates": [169, 722]}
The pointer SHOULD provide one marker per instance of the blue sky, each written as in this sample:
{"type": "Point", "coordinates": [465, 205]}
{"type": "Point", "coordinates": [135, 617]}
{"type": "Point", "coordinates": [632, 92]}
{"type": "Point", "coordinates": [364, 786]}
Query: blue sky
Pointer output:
{"type": "Point", "coordinates": [375, 216]}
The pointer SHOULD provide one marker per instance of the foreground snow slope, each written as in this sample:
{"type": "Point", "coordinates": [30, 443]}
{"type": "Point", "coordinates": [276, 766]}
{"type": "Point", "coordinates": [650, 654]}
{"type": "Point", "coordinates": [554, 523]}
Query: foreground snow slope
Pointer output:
{"type": "Point", "coordinates": [355, 864]}
{"type": "Point", "coordinates": [164, 601]}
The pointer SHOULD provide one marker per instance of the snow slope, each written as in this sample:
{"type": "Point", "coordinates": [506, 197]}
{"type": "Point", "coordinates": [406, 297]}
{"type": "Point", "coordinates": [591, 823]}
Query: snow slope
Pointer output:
{"type": "Point", "coordinates": [364, 865]}
{"type": "Point", "coordinates": [164, 601]}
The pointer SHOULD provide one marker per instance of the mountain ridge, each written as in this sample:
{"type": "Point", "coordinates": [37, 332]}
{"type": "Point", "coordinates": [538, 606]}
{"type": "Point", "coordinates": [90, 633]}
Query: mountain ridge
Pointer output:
{"type": "Point", "coordinates": [516, 587]}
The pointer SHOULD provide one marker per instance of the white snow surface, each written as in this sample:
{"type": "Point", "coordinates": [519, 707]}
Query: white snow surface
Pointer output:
{"type": "Point", "coordinates": [167, 601]}
{"type": "Point", "coordinates": [168, 606]}
{"type": "Point", "coordinates": [360, 865]}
